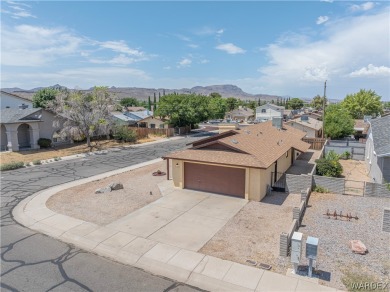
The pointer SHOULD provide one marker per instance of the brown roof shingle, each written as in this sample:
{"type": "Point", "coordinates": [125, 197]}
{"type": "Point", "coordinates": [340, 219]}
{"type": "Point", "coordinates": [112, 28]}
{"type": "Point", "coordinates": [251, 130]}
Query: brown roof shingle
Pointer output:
{"type": "Point", "coordinates": [257, 146]}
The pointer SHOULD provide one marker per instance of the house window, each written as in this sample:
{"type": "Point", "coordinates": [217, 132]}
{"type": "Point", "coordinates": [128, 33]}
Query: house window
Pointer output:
{"type": "Point", "coordinates": [152, 126]}
{"type": "Point", "coordinates": [161, 126]}
{"type": "Point", "coordinates": [263, 110]}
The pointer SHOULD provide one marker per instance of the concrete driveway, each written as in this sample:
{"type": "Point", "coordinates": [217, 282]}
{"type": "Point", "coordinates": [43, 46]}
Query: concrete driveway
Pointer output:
{"type": "Point", "coordinates": [183, 218]}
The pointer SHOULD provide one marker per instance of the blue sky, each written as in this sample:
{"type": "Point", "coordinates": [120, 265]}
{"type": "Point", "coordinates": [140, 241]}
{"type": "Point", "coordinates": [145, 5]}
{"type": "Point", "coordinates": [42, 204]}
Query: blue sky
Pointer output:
{"type": "Point", "coordinates": [283, 48]}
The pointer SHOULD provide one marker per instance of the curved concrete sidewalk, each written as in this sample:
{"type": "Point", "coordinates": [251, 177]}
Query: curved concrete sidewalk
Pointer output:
{"type": "Point", "coordinates": [193, 268]}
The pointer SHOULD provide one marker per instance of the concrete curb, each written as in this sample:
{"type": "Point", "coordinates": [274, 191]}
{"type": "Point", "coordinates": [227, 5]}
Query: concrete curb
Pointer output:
{"type": "Point", "coordinates": [193, 268]}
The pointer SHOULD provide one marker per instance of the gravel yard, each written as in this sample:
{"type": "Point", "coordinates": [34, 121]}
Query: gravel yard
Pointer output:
{"type": "Point", "coordinates": [335, 256]}
{"type": "Point", "coordinates": [253, 233]}
{"type": "Point", "coordinates": [355, 170]}
{"type": "Point", "coordinates": [81, 202]}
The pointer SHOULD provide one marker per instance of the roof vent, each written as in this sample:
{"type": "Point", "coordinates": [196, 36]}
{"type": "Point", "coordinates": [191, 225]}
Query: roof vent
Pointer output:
{"type": "Point", "coordinates": [305, 118]}
{"type": "Point", "coordinates": [23, 106]}
{"type": "Point", "coordinates": [234, 141]}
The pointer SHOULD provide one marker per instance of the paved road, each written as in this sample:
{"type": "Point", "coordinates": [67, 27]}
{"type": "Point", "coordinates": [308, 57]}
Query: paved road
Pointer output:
{"type": "Point", "coordinates": [32, 261]}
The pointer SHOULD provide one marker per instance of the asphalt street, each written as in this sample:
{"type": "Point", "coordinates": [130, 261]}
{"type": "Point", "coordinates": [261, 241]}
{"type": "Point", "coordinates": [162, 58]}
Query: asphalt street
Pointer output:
{"type": "Point", "coordinates": [31, 261]}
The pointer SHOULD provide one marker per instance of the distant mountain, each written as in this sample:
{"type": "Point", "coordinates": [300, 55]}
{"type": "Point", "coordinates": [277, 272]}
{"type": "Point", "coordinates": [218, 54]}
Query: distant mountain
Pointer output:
{"type": "Point", "coordinates": [226, 90]}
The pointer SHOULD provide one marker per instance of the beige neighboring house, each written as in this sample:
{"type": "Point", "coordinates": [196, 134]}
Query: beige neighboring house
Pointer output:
{"type": "Point", "coordinates": [237, 163]}
{"type": "Point", "coordinates": [242, 113]}
{"type": "Point", "coordinates": [153, 123]}
{"type": "Point", "coordinates": [312, 127]}
{"type": "Point", "coordinates": [22, 126]}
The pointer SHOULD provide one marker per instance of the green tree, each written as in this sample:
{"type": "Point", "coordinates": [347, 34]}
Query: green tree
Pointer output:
{"type": "Point", "coordinates": [149, 104]}
{"type": "Point", "coordinates": [231, 103]}
{"type": "Point", "coordinates": [44, 96]}
{"type": "Point", "coordinates": [129, 101]}
{"type": "Point", "coordinates": [364, 102]}
{"type": "Point", "coordinates": [338, 122]}
{"type": "Point", "coordinates": [295, 103]}
{"type": "Point", "coordinates": [215, 95]}
{"type": "Point", "coordinates": [217, 108]}
{"type": "Point", "coordinates": [252, 104]}
{"type": "Point", "coordinates": [318, 102]}
{"type": "Point", "coordinates": [88, 113]}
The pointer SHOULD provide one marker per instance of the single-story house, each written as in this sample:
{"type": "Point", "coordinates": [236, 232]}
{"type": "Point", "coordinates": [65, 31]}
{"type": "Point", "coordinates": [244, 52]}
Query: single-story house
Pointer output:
{"type": "Point", "coordinates": [378, 149]}
{"type": "Point", "coordinates": [312, 127]}
{"type": "Point", "coordinates": [241, 114]}
{"type": "Point", "coordinates": [138, 115]}
{"type": "Point", "coordinates": [22, 125]}
{"type": "Point", "coordinates": [153, 123]}
{"type": "Point", "coordinates": [238, 163]}
{"type": "Point", "coordinates": [268, 111]}
{"type": "Point", "coordinates": [122, 119]}
{"type": "Point", "coordinates": [135, 108]}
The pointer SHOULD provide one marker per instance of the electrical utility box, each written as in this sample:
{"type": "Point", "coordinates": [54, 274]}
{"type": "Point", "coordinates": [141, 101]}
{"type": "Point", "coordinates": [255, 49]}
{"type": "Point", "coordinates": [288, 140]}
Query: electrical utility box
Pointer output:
{"type": "Point", "coordinates": [311, 247]}
{"type": "Point", "coordinates": [296, 247]}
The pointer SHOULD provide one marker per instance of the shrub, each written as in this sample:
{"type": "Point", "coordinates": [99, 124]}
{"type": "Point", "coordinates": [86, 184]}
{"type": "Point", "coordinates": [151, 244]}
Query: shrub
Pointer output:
{"type": "Point", "coordinates": [44, 143]}
{"type": "Point", "coordinates": [330, 168]}
{"type": "Point", "coordinates": [320, 189]}
{"type": "Point", "coordinates": [331, 155]}
{"type": "Point", "coordinates": [57, 158]}
{"type": "Point", "coordinates": [36, 162]}
{"type": "Point", "coordinates": [11, 165]}
{"type": "Point", "coordinates": [123, 133]}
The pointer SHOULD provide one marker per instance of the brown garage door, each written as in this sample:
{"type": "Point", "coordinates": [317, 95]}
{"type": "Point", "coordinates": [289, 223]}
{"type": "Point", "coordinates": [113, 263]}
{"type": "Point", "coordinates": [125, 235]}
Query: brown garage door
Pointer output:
{"type": "Point", "coordinates": [215, 179]}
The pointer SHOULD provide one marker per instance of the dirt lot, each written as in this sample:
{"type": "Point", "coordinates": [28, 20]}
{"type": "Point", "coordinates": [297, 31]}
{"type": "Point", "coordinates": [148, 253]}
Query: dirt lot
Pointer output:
{"type": "Point", "coordinates": [354, 170]}
{"type": "Point", "coordinates": [335, 259]}
{"type": "Point", "coordinates": [64, 150]}
{"type": "Point", "coordinates": [81, 202]}
{"type": "Point", "coordinates": [254, 232]}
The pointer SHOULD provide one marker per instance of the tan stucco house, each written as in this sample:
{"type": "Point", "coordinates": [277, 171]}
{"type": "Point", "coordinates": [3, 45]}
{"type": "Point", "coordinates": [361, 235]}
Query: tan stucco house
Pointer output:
{"type": "Point", "coordinates": [311, 127]}
{"type": "Point", "coordinates": [238, 162]}
{"type": "Point", "coordinates": [153, 123]}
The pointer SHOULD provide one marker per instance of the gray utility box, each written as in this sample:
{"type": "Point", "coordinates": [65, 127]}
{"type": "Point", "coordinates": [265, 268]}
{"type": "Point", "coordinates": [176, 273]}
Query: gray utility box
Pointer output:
{"type": "Point", "coordinates": [296, 247]}
{"type": "Point", "coordinates": [311, 247]}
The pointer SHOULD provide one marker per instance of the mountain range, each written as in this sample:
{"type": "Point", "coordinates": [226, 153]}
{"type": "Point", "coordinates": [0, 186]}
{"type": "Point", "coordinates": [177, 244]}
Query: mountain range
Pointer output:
{"type": "Point", "coordinates": [225, 90]}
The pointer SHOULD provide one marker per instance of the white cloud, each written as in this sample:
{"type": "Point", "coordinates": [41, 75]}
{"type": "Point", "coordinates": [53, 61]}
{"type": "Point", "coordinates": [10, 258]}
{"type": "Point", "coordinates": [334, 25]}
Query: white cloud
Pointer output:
{"type": "Point", "coordinates": [230, 48]}
{"type": "Point", "coordinates": [28, 45]}
{"type": "Point", "coordinates": [345, 45]}
{"type": "Point", "coordinates": [329, 1]}
{"type": "Point", "coordinates": [121, 59]}
{"type": "Point", "coordinates": [185, 62]}
{"type": "Point", "coordinates": [322, 19]}
{"type": "Point", "coordinates": [167, 68]}
{"type": "Point", "coordinates": [362, 7]}
{"type": "Point", "coordinates": [209, 31]}
{"type": "Point", "coordinates": [193, 46]}
{"type": "Point", "coordinates": [371, 70]}
{"type": "Point", "coordinates": [120, 47]}
{"type": "Point", "coordinates": [204, 61]}
{"type": "Point", "coordinates": [17, 10]}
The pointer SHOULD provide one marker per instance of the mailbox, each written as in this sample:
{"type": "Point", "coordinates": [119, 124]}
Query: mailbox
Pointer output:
{"type": "Point", "coordinates": [311, 247]}
{"type": "Point", "coordinates": [296, 247]}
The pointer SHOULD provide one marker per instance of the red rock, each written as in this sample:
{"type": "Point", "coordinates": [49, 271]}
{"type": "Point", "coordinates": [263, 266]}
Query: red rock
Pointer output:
{"type": "Point", "coordinates": [357, 247]}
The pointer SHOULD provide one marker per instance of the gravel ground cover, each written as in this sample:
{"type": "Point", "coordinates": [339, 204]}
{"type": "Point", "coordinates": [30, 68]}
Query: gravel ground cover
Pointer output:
{"type": "Point", "coordinates": [81, 202]}
{"type": "Point", "coordinates": [338, 264]}
{"type": "Point", "coordinates": [355, 170]}
{"type": "Point", "coordinates": [253, 233]}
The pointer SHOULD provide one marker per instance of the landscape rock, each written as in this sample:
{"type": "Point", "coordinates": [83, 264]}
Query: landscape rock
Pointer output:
{"type": "Point", "coordinates": [357, 247]}
{"type": "Point", "coordinates": [115, 186]}
{"type": "Point", "coordinates": [103, 190]}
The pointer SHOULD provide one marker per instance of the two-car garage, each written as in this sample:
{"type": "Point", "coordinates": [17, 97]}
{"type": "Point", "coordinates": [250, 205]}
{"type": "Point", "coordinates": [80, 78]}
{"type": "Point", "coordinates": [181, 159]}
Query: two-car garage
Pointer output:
{"type": "Point", "coordinates": [215, 179]}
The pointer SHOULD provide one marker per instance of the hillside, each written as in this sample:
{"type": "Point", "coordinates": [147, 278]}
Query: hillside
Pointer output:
{"type": "Point", "coordinates": [144, 93]}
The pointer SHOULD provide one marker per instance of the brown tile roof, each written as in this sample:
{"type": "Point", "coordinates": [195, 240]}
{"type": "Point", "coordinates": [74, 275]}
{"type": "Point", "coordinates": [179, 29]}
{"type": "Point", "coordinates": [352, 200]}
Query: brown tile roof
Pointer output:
{"type": "Point", "coordinates": [257, 146]}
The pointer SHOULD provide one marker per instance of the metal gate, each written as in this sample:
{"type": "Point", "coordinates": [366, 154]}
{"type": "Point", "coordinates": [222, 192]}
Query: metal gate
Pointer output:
{"type": "Point", "coordinates": [278, 181]}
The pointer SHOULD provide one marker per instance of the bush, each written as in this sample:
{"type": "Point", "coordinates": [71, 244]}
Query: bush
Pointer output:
{"type": "Point", "coordinates": [320, 189]}
{"type": "Point", "coordinates": [330, 168]}
{"type": "Point", "coordinates": [44, 143]}
{"type": "Point", "coordinates": [36, 162]}
{"type": "Point", "coordinates": [346, 155]}
{"type": "Point", "coordinates": [57, 158]}
{"type": "Point", "coordinates": [123, 133]}
{"type": "Point", "coordinates": [11, 165]}
{"type": "Point", "coordinates": [331, 155]}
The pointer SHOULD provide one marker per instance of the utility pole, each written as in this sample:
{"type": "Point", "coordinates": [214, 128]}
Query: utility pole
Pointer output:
{"type": "Point", "coordinates": [323, 111]}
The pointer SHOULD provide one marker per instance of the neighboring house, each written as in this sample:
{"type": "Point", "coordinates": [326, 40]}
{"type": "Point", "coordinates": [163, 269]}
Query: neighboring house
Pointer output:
{"type": "Point", "coordinates": [242, 113]}
{"type": "Point", "coordinates": [378, 149]}
{"type": "Point", "coordinates": [122, 119]}
{"type": "Point", "coordinates": [312, 127]}
{"type": "Point", "coordinates": [10, 100]}
{"type": "Point", "coordinates": [153, 123]}
{"type": "Point", "coordinates": [268, 111]}
{"type": "Point", "coordinates": [238, 163]}
{"type": "Point", "coordinates": [139, 115]}
{"type": "Point", "coordinates": [22, 126]}
{"type": "Point", "coordinates": [361, 128]}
